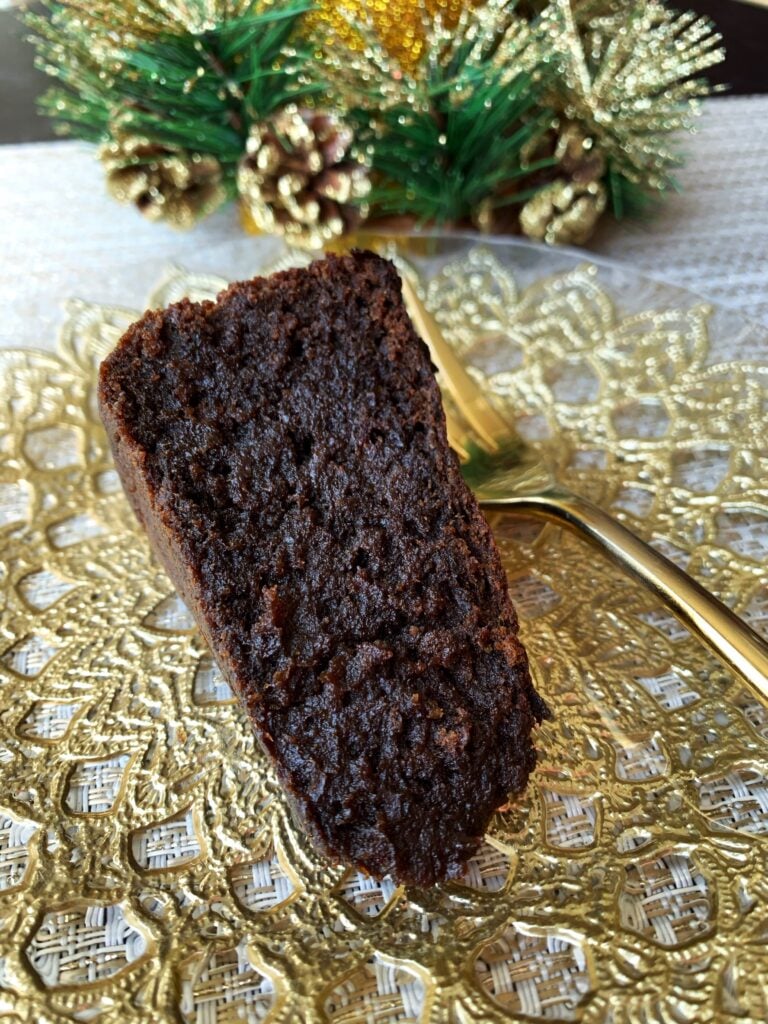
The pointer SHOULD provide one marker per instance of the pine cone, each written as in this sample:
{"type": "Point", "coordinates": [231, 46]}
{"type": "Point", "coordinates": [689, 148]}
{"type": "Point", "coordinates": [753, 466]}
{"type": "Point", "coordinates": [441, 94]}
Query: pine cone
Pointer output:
{"type": "Point", "coordinates": [578, 156]}
{"type": "Point", "coordinates": [564, 212]}
{"type": "Point", "coordinates": [579, 163]}
{"type": "Point", "coordinates": [164, 182]}
{"type": "Point", "coordinates": [298, 178]}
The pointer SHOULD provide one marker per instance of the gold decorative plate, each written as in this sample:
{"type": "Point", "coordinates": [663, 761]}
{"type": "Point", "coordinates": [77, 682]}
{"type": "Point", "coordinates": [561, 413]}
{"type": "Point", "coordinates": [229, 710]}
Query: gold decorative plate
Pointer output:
{"type": "Point", "coordinates": [149, 870]}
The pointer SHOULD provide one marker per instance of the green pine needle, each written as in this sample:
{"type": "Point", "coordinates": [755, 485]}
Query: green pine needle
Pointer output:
{"type": "Point", "coordinates": [628, 199]}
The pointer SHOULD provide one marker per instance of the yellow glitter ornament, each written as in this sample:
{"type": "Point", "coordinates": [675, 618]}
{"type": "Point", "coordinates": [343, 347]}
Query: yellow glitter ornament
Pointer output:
{"type": "Point", "coordinates": [401, 25]}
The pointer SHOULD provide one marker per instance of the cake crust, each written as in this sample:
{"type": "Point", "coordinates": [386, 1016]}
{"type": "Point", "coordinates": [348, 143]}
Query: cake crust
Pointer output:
{"type": "Point", "coordinates": [285, 450]}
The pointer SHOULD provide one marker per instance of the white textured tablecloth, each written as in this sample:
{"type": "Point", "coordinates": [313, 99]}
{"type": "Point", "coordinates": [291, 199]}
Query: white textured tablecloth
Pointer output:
{"type": "Point", "coordinates": [61, 236]}
{"type": "Point", "coordinates": [712, 237]}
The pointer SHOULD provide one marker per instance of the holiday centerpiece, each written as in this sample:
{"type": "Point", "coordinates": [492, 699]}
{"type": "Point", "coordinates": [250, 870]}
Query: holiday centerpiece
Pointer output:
{"type": "Point", "coordinates": [532, 117]}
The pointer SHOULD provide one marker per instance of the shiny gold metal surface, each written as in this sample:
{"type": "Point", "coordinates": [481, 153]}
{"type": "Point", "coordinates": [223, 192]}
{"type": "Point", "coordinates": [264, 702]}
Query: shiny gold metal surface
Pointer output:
{"type": "Point", "coordinates": [488, 426]}
{"type": "Point", "coordinates": [149, 870]}
{"type": "Point", "coordinates": [523, 481]}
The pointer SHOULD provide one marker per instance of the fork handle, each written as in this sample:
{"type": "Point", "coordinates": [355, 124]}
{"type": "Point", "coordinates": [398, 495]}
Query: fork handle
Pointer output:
{"type": "Point", "coordinates": [735, 643]}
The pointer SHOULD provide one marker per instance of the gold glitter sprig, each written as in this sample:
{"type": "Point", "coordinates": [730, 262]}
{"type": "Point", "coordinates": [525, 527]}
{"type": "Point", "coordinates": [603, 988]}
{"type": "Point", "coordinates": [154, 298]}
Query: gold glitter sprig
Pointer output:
{"type": "Point", "coordinates": [631, 79]}
{"type": "Point", "coordinates": [146, 19]}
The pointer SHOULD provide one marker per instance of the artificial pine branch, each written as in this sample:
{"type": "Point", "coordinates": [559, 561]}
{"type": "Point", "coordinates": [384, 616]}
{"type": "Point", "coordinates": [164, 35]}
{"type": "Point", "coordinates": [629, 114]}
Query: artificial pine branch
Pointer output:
{"type": "Point", "coordinates": [79, 104]}
{"type": "Point", "coordinates": [577, 99]}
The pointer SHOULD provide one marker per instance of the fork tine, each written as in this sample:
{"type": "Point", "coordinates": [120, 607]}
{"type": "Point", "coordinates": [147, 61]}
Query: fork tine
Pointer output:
{"type": "Point", "coordinates": [456, 435]}
{"type": "Point", "coordinates": [486, 422]}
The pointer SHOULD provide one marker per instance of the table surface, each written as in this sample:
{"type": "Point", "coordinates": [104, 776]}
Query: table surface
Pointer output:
{"type": "Point", "coordinates": [63, 237]}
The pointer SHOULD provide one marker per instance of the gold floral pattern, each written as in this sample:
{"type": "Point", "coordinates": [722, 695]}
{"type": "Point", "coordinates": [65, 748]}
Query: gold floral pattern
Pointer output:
{"type": "Point", "coordinates": [149, 869]}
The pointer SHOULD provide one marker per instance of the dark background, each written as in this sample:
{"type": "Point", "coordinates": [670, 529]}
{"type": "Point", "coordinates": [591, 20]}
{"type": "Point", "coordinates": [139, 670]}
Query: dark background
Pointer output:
{"type": "Point", "coordinates": [744, 27]}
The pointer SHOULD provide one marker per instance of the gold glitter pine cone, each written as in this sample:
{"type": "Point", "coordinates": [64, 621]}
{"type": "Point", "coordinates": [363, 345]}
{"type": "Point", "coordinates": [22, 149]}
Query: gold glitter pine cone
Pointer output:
{"type": "Point", "coordinates": [164, 182]}
{"type": "Point", "coordinates": [578, 155]}
{"type": "Point", "coordinates": [564, 212]}
{"type": "Point", "coordinates": [298, 177]}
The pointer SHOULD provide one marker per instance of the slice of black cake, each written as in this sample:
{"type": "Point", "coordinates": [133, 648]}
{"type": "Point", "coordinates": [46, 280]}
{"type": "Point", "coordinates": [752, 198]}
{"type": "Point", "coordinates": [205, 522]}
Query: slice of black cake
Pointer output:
{"type": "Point", "coordinates": [285, 449]}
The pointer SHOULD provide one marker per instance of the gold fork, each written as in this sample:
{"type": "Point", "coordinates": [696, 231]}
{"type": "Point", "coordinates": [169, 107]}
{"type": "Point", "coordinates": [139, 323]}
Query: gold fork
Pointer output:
{"type": "Point", "coordinates": [505, 472]}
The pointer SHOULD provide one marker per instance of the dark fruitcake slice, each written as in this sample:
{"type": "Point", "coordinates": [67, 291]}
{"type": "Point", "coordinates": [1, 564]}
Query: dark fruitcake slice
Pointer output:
{"type": "Point", "coordinates": [285, 449]}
